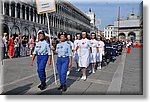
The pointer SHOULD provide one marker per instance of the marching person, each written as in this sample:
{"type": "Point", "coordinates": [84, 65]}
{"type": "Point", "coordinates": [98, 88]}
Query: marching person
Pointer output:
{"type": "Point", "coordinates": [43, 53]}
{"type": "Point", "coordinates": [100, 53]}
{"type": "Point", "coordinates": [64, 60]}
{"type": "Point", "coordinates": [120, 47]}
{"type": "Point", "coordinates": [69, 41]}
{"type": "Point", "coordinates": [114, 49]}
{"type": "Point", "coordinates": [108, 49]}
{"type": "Point", "coordinates": [94, 51]}
{"type": "Point", "coordinates": [85, 50]}
{"type": "Point", "coordinates": [76, 53]}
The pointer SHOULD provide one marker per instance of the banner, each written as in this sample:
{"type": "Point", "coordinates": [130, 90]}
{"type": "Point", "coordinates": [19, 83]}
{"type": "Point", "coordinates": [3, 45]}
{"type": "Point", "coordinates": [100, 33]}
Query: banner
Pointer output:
{"type": "Point", "coordinates": [44, 6]}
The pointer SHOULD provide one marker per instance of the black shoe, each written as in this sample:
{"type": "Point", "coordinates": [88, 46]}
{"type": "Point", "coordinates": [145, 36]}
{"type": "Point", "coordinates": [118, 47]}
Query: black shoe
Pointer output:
{"type": "Point", "coordinates": [59, 88]}
{"type": "Point", "coordinates": [64, 88]}
{"type": "Point", "coordinates": [39, 86]}
{"type": "Point", "coordinates": [42, 86]}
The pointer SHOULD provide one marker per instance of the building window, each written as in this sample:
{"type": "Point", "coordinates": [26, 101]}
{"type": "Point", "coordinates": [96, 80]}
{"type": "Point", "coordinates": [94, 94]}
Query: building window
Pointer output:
{"type": "Point", "coordinates": [23, 11]}
{"type": "Point", "coordinates": [38, 18]}
{"type": "Point", "coordinates": [27, 12]}
{"type": "Point", "coordinates": [31, 11]}
{"type": "Point", "coordinates": [12, 9]}
{"type": "Point", "coordinates": [18, 10]}
{"type": "Point", "coordinates": [6, 8]}
{"type": "Point", "coordinates": [42, 18]}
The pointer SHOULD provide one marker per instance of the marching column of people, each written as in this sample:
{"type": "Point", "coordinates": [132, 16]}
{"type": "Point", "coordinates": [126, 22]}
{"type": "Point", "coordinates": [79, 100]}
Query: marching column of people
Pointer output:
{"type": "Point", "coordinates": [87, 52]}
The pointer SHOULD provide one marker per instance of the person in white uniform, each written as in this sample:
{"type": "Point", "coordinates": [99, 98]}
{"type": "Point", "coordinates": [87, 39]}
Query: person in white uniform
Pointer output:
{"type": "Point", "coordinates": [69, 41]}
{"type": "Point", "coordinates": [100, 53]}
{"type": "Point", "coordinates": [84, 52]}
{"type": "Point", "coordinates": [94, 51]}
{"type": "Point", "coordinates": [76, 53]}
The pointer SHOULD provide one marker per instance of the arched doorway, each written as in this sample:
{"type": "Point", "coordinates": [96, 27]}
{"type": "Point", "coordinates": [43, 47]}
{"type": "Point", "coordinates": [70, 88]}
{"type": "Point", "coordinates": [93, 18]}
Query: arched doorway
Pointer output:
{"type": "Point", "coordinates": [5, 29]}
{"type": "Point", "coordinates": [26, 33]}
{"type": "Point", "coordinates": [122, 36]}
{"type": "Point", "coordinates": [15, 31]}
{"type": "Point", "coordinates": [33, 32]}
{"type": "Point", "coordinates": [132, 36]}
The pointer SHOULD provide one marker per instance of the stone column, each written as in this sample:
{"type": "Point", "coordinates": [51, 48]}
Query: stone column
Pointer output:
{"type": "Point", "coordinates": [3, 11]}
{"type": "Point", "coordinates": [21, 12]}
{"type": "Point", "coordinates": [9, 9]}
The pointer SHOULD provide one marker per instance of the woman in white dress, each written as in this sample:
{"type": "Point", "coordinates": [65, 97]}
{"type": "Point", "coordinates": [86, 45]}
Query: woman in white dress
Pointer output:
{"type": "Point", "coordinates": [100, 53]}
{"type": "Point", "coordinates": [84, 52]}
{"type": "Point", "coordinates": [94, 51]}
{"type": "Point", "coordinates": [76, 53]}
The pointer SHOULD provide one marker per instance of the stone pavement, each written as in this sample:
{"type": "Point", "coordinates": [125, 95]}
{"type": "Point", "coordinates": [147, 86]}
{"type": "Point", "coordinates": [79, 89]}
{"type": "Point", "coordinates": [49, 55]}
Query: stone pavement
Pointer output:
{"type": "Point", "coordinates": [132, 82]}
{"type": "Point", "coordinates": [121, 77]}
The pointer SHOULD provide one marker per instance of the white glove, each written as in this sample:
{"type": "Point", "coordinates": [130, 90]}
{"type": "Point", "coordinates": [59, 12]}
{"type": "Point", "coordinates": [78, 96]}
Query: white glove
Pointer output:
{"type": "Point", "coordinates": [103, 53]}
{"type": "Point", "coordinates": [98, 54]}
{"type": "Point", "coordinates": [91, 55]}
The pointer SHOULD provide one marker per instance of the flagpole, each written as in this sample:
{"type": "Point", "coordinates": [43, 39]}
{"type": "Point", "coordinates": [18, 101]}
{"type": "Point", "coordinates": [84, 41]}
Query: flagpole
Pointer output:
{"type": "Point", "coordinates": [54, 69]}
{"type": "Point", "coordinates": [118, 18]}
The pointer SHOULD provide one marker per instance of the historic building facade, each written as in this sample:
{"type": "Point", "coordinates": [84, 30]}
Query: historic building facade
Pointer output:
{"type": "Point", "coordinates": [129, 29]}
{"type": "Point", "coordinates": [20, 17]}
{"type": "Point", "coordinates": [92, 16]}
{"type": "Point", "coordinates": [109, 31]}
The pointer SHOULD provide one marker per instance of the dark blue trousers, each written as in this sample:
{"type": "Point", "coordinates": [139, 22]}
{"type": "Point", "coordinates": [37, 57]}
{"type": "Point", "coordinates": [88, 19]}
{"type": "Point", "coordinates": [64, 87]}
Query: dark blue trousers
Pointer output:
{"type": "Point", "coordinates": [114, 52]}
{"type": "Point", "coordinates": [62, 67]}
{"type": "Point", "coordinates": [42, 61]}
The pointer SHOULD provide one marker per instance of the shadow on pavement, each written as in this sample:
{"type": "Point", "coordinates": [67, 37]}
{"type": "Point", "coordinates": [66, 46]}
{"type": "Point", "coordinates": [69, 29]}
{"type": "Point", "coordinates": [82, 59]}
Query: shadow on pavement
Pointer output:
{"type": "Point", "coordinates": [21, 89]}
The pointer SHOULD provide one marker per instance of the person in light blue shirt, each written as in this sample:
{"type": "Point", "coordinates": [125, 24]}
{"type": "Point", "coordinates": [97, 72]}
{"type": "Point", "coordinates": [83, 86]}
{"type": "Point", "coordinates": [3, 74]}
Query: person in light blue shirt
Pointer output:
{"type": "Point", "coordinates": [42, 51]}
{"type": "Point", "coordinates": [64, 60]}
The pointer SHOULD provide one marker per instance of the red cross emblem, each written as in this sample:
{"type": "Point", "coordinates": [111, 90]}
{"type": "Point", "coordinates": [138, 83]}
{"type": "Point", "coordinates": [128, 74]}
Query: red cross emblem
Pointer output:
{"type": "Point", "coordinates": [98, 44]}
{"type": "Point", "coordinates": [61, 47]}
{"type": "Point", "coordinates": [92, 43]}
{"type": "Point", "coordinates": [83, 43]}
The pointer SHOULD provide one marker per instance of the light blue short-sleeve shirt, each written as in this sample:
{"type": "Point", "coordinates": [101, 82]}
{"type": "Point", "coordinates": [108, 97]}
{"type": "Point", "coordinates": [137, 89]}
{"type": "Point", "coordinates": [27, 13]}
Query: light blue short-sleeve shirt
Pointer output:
{"type": "Point", "coordinates": [63, 49]}
{"type": "Point", "coordinates": [42, 48]}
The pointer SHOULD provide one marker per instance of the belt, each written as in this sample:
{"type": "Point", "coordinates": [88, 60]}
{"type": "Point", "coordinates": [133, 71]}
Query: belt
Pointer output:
{"type": "Point", "coordinates": [41, 54]}
{"type": "Point", "coordinates": [63, 56]}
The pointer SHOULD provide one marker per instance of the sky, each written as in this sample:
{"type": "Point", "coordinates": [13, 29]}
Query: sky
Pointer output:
{"type": "Point", "coordinates": [107, 10]}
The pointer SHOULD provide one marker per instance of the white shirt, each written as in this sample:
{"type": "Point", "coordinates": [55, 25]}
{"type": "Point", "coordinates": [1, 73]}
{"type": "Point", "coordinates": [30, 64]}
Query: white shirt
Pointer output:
{"type": "Point", "coordinates": [94, 45]}
{"type": "Point", "coordinates": [100, 45]}
{"type": "Point", "coordinates": [84, 45]}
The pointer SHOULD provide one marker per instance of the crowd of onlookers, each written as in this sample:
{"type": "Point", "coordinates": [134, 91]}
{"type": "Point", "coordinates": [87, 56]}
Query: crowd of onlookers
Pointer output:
{"type": "Point", "coordinates": [17, 45]}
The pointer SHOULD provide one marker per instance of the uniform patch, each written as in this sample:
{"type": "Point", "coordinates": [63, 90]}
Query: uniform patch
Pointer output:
{"type": "Point", "coordinates": [38, 46]}
{"type": "Point", "coordinates": [92, 43]}
{"type": "Point", "coordinates": [83, 43]}
{"type": "Point", "coordinates": [61, 47]}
